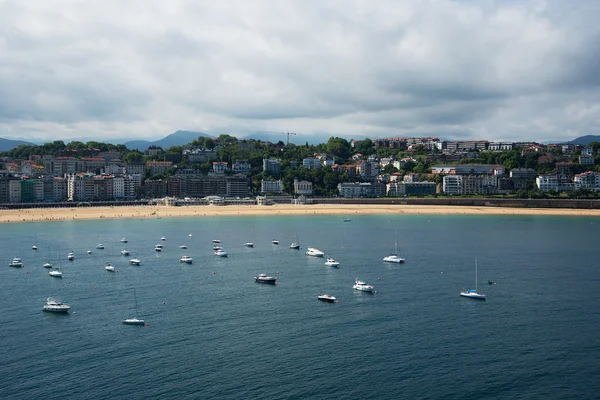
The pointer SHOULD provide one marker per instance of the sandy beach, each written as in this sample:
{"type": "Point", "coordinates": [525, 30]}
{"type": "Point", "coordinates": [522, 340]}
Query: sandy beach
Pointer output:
{"type": "Point", "coordinates": [84, 213]}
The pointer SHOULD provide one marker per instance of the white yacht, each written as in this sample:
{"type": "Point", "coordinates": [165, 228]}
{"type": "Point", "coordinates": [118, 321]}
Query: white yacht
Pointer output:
{"type": "Point", "coordinates": [327, 298]}
{"type": "Point", "coordinates": [296, 244]}
{"type": "Point", "coordinates": [55, 305]}
{"type": "Point", "coordinates": [70, 256]}
{"type": "Point", "coordinates": [183, 246]}
{"type": "Point", "coordinates": [263, 278]}
{"type": "Point", "coordinates": [217, 248]}
{"type": "Point", "coordinates": [48, 265]}
{"type": "Point", "coordinates": [125, 252]}
{"type": "Point", "coordinates": [473, 292]}
{"type": "Point", "coordinates": [16, 262]}
{"type": "Point", "coordinates": [394, 257]}
{"type": "Point", "coordinates": [55, 274]}
{"type": "Point", "coordinates": [135, 261]}
{"type": "Point", "coordinates": [186, 259]}
{"type": "Point", "coordinates": [331, 262]}
{"type": "Point", "coordinates": [275, 241]}
{"type": "Point", "coordinates": [109, 267]}
{"type": "Point", "coordinates": [123, 240]}
{"type": "Point", "coordinates": [249, 244]}
{"type": "Point", "coordinates": [100, 246]}
{"type": "Point", "coordinates": [89, 252]}
{"type": "Point", "coordinates": [362, 286]}
{"type": "Point", "coordinates": [163, 238]}
{"type": "Point", "coordinates": [190, 235]}
{"type": "Point", "coordinates": [135, 320]}
{"type": "Point", "coordinates": [216, 241]}
{"type": "Point", "coordinates": [158, 247]}
{"type": "Point", "coordinates": [311, 251]}
{"type": "Point", "coordinates": [221, 253]}
{"type": "Point", "coordinates": [34, 247]}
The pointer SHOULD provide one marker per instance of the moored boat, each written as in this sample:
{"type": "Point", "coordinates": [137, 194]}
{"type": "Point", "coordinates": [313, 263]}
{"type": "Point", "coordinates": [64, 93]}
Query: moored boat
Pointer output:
{"type": "Point", "coordinates": [48, 265]}
{"type": "Point", "coordinates": [263, 278]}
{"type": "Point", "coordinates": [220, 253]}
{"type": "Point", "coordinates": [186, 259]}
{"type": "Point", "coordinates": [311, 251]}
{"type": "Point", "coordinates": [473, 294]}
{"type": "Point", "coordinates": [362, 286]}
{"type": "Point", "coordinates": [275, 241]}
{"type": "Point", "coordinates": [55, 305]}
{"type": "Point", "coordinates": [109, 267]}
{"type": "Point", "coordinates": [16, 262]}
{"type": "Point", "coordinates": [249, 244]}
{"type": "Point", "coordinates": [55, 274]}
{"type": "Point", "coordinates": [327, 298]}
{"type": "Point", "coordinates": [70, 256]}
{"type": "Point", "coordinates": [331, 262]}
{"type": "Point", "coordinates": [135, 261]}
{"type": "Point", "coordinates": [125, 252]}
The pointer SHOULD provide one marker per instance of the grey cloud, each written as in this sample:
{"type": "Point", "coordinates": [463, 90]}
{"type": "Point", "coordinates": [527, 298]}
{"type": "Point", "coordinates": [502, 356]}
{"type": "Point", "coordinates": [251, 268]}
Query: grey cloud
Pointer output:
{"type": "Point", "coordinates": [459, 69]}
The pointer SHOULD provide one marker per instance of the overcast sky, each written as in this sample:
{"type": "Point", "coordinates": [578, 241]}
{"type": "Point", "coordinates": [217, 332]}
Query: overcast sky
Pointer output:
{"type": "Point", "coordinates": [496, 70]}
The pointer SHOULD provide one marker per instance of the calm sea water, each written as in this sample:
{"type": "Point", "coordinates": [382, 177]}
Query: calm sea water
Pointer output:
{"type": "Point", "coordinates": [213, 333]}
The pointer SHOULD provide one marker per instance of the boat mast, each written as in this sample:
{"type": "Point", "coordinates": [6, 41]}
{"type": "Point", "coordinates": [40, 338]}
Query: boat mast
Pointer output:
{"type": "Point", "coordinates": [475, 274]}
{"type": "Point", "coordinates": [135, 299]}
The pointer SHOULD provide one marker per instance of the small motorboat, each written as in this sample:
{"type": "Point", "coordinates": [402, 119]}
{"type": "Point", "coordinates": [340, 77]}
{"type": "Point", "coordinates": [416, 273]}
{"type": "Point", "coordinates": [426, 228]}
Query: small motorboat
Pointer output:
{"type": "Point", "coordinates": [48, 265]}
{"type": "Point", "coordinates": [34, 247]}
{"type": "Point", "coordinates": [158, 249]}
{"type": "Point", "coordinates": [100, 247]}
{"type": "Point", "coordinates": [123, 240]}
{"type": "Point", "coordinates": [327, 298]}
{"type": "Point", "coordinates": [275, 241]}
{"type": "Point", "coordinates": [135, 261]}
{"type": "Point", "coordinates": [362, 286]}
{"type": "Point", "coordinates": [16, 262]}
{"type": "Point", "coordinates": [89, 252]}
{"type": "Point", "coordinates": [190, 235]}
{"type": "Point", "coordinates": [311, 251]}
{"type": "Point", "coordinates": [249, 244]}
{"type": "Point", "coordinates": [70, 256]}
{"type": "Point", "coordinates": [216, 241]}
{"type": "Point", "coordinates": [346, 220]}
{"type": "Point", "coordinates": [217, 248]}
{"type": "Point", "coordinates": [109, 267]}
{"type": "Point", "coordinates": [263, 278]}
{"type": "Point", "coordinates": [125, 252]}
{"type": "Point", "coordinates": [134, 321]}
{"type": "Point", "coordinates": [183, 246]}
{"type": "Point", "coordinates": [55, 305]}
{"type": "Point", "coordinates": [55, 274]}
{"type": "Point", "coordinates": [163, 238]}
{"type": "Point", "coordinates": [220, 253]}
{"type": "Point", "coordinates": [186, 259]}
{"type": "Point", "coordinates": [331, 263]}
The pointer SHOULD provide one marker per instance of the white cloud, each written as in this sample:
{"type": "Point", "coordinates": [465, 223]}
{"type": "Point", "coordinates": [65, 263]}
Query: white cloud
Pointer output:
{"type": "Point", "coordinates": [113, 69]}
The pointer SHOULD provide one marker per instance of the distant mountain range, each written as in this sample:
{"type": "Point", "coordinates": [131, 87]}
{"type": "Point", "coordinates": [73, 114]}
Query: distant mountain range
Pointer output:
{"type": "Point", "coordinates": [178, 138]}
{"type": "Point", "coordinates": [585, 140]}
{"type": "Point", "coordinates": [9, 144]}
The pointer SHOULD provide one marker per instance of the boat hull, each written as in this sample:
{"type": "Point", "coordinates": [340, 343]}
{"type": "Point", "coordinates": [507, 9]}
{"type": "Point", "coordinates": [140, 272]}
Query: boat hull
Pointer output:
{"type": "Point", "coordinates": [326, 299]}
{"type": "Point", "coordinates": [134, 321]}
{"type": "Point", "coordinates": [60, 310]}
{"type": "Point", "coordinates": [267, 281]}
{"type": "Point", "coordinates": [476, 296]}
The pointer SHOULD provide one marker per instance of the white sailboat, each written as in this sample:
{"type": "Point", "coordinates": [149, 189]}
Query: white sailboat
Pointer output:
{"type": "Point", "coordinates": [296, 244]}
{"type": "Point", "coordinates": [135, 320]}
{"type": "Point", "coordinates": [394, 257]}
{"type": "Point", "coordinates": [473, 293]}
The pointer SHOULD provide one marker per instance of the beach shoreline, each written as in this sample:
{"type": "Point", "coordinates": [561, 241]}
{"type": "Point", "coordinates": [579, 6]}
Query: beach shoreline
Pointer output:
{"type": "Point", "coordinates": [346, 210]}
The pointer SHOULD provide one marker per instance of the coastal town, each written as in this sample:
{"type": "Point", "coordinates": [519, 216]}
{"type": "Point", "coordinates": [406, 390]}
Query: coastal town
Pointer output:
{"type": "Point", "coordinates": [246, 169]}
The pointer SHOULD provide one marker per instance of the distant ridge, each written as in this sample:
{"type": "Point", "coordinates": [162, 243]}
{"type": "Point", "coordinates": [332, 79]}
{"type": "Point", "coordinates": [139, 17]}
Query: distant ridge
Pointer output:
{"type": "Point", "coordinates": [178, 138]}
{"type": "Point", "coordinates": [9, 144]}
{"type": "Point", "coordinates": [585, 140]}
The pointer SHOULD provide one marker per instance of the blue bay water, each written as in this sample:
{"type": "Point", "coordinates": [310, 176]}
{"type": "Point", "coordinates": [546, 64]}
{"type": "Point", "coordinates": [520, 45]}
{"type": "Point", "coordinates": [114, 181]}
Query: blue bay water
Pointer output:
{"type": "Point", "coordinates": [214, 333]}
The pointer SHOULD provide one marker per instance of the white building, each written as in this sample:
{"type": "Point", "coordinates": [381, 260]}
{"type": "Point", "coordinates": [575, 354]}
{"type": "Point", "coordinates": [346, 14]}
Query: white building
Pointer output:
{"type": "Point", "coordinates": [220, 167]}
{"type": "Point", "coordinates": [452, 184]}
{"type": "Point", "coordinates": [241, 167]}
{"type": "Point", "coordinates": [303, 187]}
{"type": "Point", "coordinates": [271, 186]}
{"type": "Point", "coordinates": [118, 187]}
{"type": "Point", "coordinates": [585, 159]}
{"type": "Point", "coordinates": [311, 163]}
{"type": "Point", "coordinates": [557, 182]}
{"type": "Point", "coordinates": [587, 180]}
